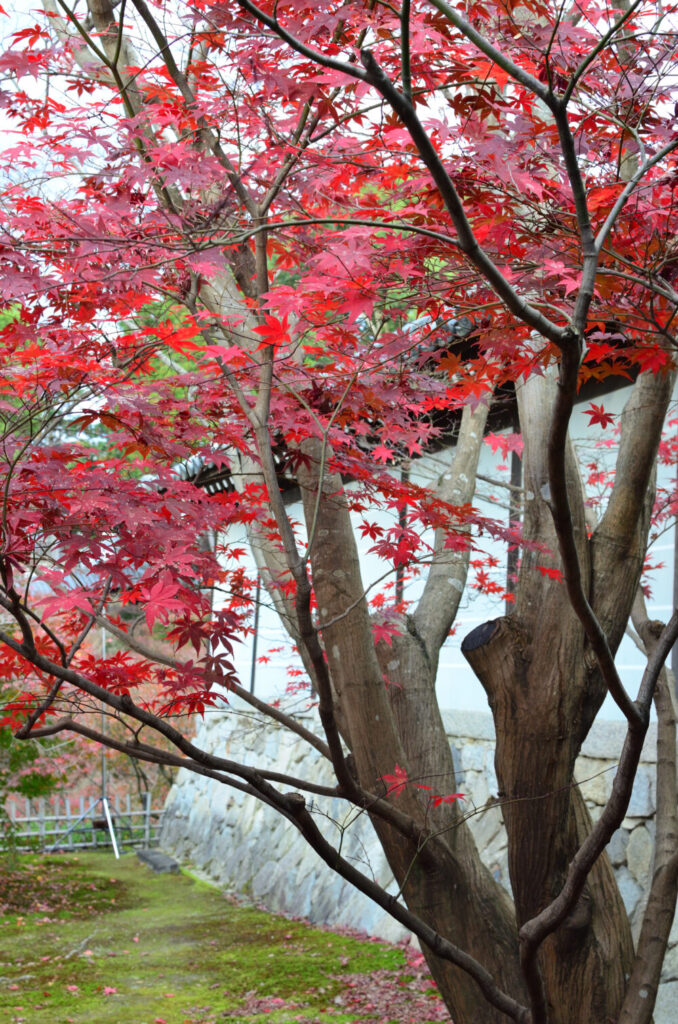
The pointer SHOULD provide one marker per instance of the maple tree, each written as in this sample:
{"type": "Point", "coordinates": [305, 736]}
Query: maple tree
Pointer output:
{"type": "Point", "coordinates": [297, 244]}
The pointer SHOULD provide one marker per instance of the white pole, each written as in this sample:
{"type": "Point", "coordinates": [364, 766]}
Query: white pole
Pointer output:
{"type": "Point", "coordinates": [109, 822]}
{"type": "Point", "coordinates": [103, 724]}
{"type": "Point", "coordinates": [104, 780]}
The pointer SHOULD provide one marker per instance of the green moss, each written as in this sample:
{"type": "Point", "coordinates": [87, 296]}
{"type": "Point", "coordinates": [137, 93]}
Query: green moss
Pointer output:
{"type": "Point", "coordinates": [171, 949]}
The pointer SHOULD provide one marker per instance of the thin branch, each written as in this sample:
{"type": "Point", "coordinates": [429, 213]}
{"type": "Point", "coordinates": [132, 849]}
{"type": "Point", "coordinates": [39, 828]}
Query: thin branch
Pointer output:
{"type": "Point", "coordinates": [124, 705]}
{"type": "Point", "coordinates": [437, 607]}
{"type": "Point", "coordinates": [82, 636]}
{"type": "Point", "coordinates": [643, 983]}
{"type": "Point", "coordinates": [288, 721]}
{"type": "Point", "coordinates": [664, 289]}
{"type": "Point", "coordinates": [558, 501]}
{"type": "Point", "coordinates": [406, 70]}
{"type": "Point", "coordinates": [381, 225]}
{"type": "Point", "coordinates": [468, 243]}
{"type": "Point", "coordinates": [602, 43]}
{"type": "Point", "coordinates": [500, 59]}
{"type": "Point", "coordinates": [306, 51]}
{"type": "Point", "coordinates": [182, 84]}
{"type": "Point", "coordinates": [629, 188]}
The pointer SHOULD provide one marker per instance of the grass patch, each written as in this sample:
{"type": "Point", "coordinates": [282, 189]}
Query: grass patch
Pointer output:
{"type": "Point", "coordinates": [86, 938]}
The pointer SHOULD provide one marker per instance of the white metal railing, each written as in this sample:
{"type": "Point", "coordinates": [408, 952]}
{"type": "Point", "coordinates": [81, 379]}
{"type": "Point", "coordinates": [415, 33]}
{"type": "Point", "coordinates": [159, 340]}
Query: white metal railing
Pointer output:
{"type": "Point", "coordinates": [67, 823]}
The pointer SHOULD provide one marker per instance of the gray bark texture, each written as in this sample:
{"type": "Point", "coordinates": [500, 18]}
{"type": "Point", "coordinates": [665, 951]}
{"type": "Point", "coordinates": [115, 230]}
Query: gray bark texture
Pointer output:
{"type": "Point", "coordinates": [544, 689]}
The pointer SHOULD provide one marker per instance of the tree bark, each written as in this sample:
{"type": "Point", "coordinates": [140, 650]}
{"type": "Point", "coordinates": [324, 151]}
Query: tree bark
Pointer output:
{"type": "Point", "coordinates": [443, 879]}
{"type": "Point", "coordinates": [544, 688]}
{"type": "Point", "coordinates": [585, 962]}
{"type": "Point", "coordinates": [658, 917]}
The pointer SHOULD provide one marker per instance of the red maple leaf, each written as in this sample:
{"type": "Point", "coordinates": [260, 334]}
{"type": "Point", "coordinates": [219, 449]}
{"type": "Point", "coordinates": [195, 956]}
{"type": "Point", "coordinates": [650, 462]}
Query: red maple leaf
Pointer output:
{"type": "Point", "coordinates": [273, 331]}
{"type": "Point", "coordinates": [553, 574]}
{"type": "Point", "coordinates": [384, 631]}
{"type": "Point", "coordinates": [597, 414]}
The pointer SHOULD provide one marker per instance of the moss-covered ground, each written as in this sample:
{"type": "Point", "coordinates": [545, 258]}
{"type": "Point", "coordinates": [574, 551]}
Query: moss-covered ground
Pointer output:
{"type": "Point", "coordinates": [86, 939]}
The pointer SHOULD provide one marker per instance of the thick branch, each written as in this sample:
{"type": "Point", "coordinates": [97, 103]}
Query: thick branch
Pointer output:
{"type": "Point", "coordinates": [641, 425]}
{"type": "Point", "coordinates": [406, 71]}
{"type": "Point", "coordinates": [558, 501]}
{"type": "Point", "coordinates": [446, 578]}
{"type": "Point", "coordinates": [643, 983]}
{"type": "Point", "coordinates": [534, 932]}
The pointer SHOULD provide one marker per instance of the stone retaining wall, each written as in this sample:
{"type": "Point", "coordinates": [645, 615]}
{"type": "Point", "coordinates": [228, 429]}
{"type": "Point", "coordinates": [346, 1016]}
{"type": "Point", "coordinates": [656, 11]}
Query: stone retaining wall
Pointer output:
{"type": "Point", "coordinates": [244, 846]}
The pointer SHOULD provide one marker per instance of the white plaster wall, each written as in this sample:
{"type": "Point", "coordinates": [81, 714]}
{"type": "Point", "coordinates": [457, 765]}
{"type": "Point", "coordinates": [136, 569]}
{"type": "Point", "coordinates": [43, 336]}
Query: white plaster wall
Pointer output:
{"type": "Point", "coordinates": [456, 685]}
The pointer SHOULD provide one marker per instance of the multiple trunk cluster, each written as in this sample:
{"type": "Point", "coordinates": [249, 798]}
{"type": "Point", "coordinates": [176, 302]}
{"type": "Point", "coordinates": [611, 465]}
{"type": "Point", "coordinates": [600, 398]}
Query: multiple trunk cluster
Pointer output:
{"type": "Point", "coordinates": [561, 951]}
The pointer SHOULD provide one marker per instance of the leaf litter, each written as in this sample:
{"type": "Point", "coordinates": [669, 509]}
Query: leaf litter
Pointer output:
{"type": "Point", "coordinates": [87, 938]}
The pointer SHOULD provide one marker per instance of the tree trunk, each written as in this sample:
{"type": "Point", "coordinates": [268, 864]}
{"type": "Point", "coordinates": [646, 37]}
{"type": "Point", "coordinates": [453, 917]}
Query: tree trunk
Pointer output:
{"type": "Point", "coordinates": [544, 688]}
{"type": "Point", "coordinates": [454, 889]}
{"type": "Point", "coordinates": [442, 880]}
{"type": "Point", "coordinates": [585, 963]}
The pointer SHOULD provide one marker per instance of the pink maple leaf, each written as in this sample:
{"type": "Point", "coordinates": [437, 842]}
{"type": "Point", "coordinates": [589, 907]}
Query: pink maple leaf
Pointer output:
{"type": "Point", "coordinates": [380, 453]}
{"type": "Point", "coordinates": [395, 783]}
{"type": "Point", "coordinates": [384, 631]}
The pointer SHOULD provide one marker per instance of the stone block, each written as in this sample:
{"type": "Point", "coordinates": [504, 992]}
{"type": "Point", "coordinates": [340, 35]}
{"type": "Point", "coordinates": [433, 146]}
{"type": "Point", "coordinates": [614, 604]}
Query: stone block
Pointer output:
{"type": "Point", "coordinates": [486, 826]}
{"type": "Point", "coordinates": [641, 804]}
{"type": "Point", "coordinates": [629, 889]}
{"type": "Point", "coordinates": [472, 758]}
{"type": "Point", "coordinates": [593, 779]}
{"type": "Point", "coordinates": [298, 752]}
{"type": "Point", "coordinates": [326, 899]}
{"type": "Point", "coordinates": [616, 849]}
{"type": "Point", "coordinates": [670, 968]}
{"type": "Point", "coordinates": [303, 897]}
{"type": "Point", "coordinates": [673, 934]}
{"type": "Point", "coordinates": [159, 862]}
{"type": "Point", "coordinates": [492, 784]}
{"type": "Point", "coordinates": [477, 791]}
{"type": "Point", "coordinates": [272, 746]}
{"type": "Point", "coordinates": [264, 881]}
{"type": "Point", "coordinates": [605, 740]}
{"type": "Point", "coordinates": [476, 725]}
{"type": "Point", "coordinates": [639, 853]}
{"type": "Point", "coordinates": [456, 760]}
